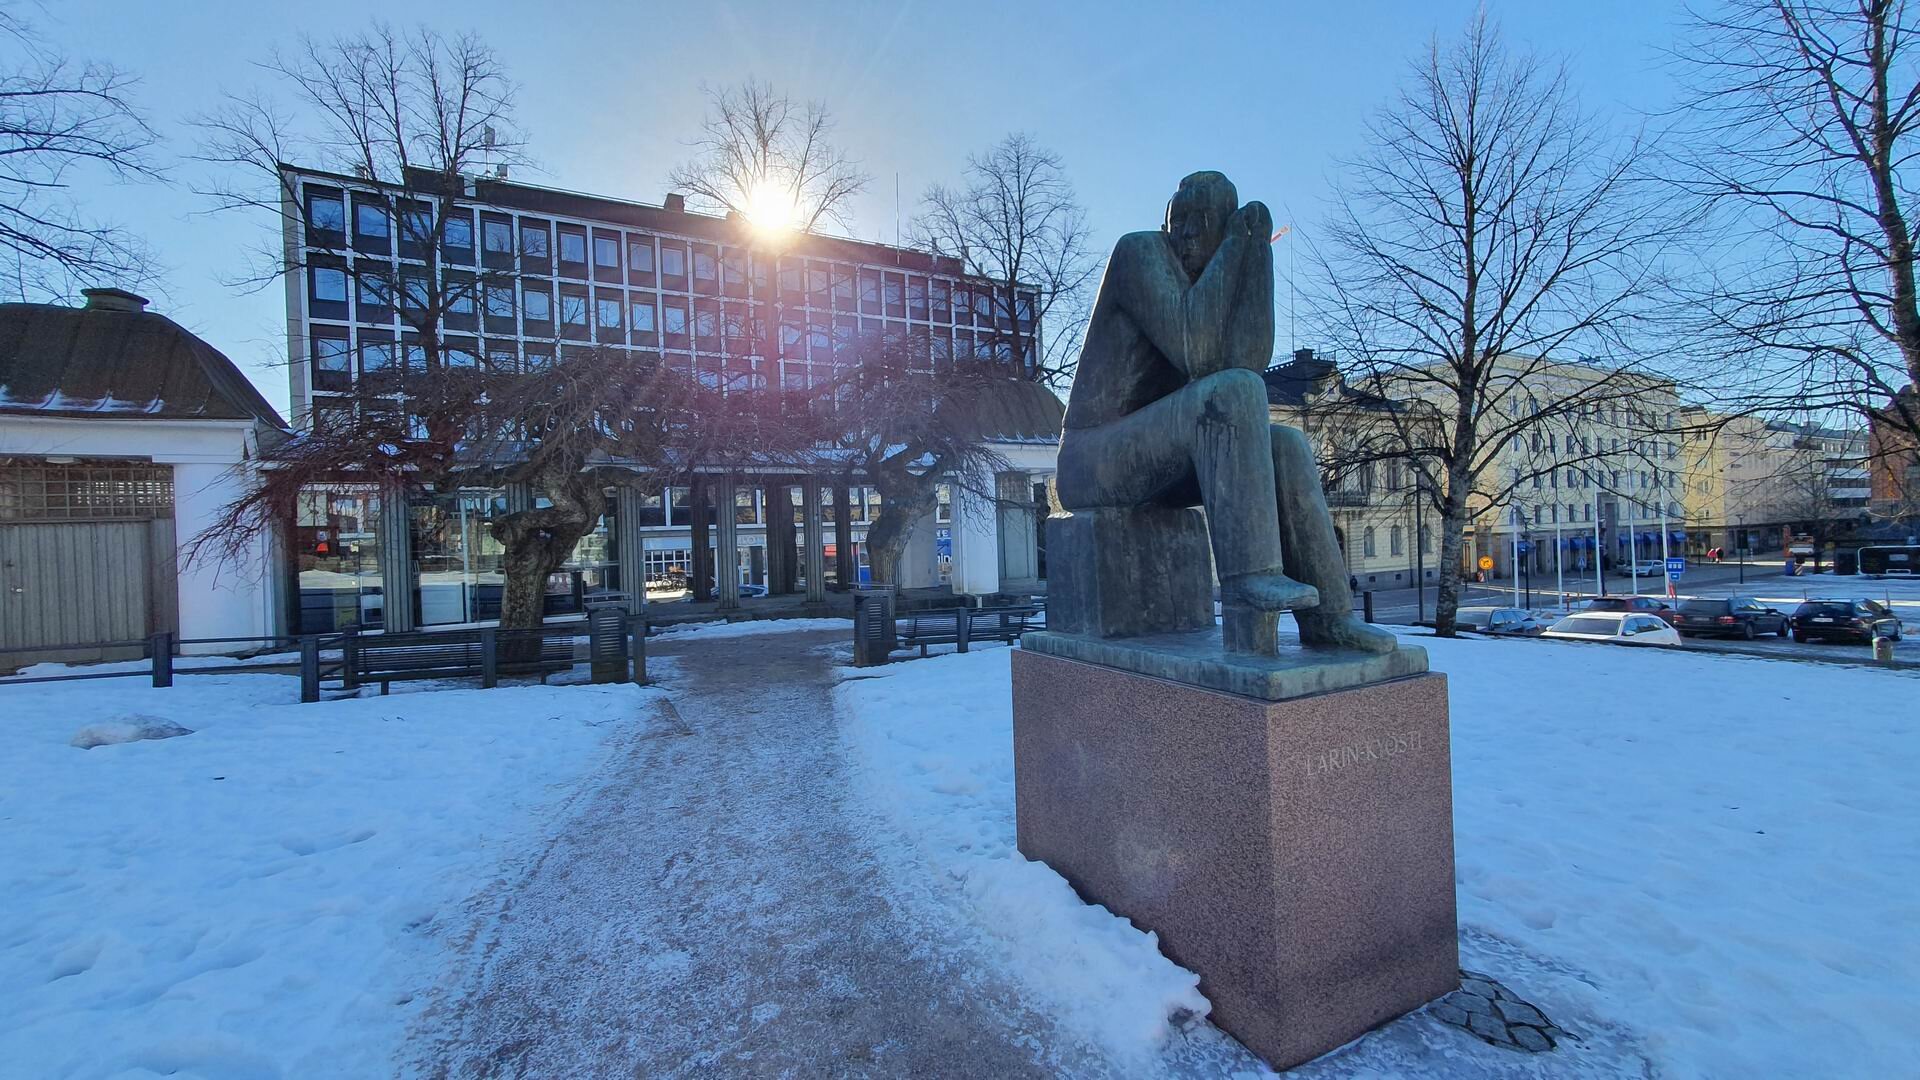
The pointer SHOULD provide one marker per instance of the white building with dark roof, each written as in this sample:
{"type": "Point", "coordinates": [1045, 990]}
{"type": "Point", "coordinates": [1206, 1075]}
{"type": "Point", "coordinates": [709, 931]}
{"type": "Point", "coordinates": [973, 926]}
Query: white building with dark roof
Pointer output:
{"type": "Point", "coordinates": [122, 436]}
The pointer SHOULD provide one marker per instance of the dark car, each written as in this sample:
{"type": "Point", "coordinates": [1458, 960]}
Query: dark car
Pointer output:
{"type": "Point", "coordinates": [1844, 619]}
{"type": "Point", "coordinates": [1633, 605]}
{"type": "Point", "coordinates": [1736, 616]}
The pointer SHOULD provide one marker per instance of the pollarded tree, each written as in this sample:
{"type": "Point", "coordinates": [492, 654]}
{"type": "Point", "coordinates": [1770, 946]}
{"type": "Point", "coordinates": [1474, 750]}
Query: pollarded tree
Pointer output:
{"type": "Point", "coordinates": [1015, 221]}
{"type": "Point", "coordinates": [567, 429]}
{"type": "Point", "coordinates": [910, 425]}
{"type": "Point", "coordinates": [1489, 229]}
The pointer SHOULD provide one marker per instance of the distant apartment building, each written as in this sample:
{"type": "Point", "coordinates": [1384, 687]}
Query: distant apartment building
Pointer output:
{"type": "Point", "coordinates": [545, 271]}
{"type": "Point", "coordinates": [1749, 481]}
{"type": "Point", "coordinates": [1386, 533]}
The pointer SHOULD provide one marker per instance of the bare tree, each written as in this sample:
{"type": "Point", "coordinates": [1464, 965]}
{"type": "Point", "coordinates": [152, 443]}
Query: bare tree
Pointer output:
{"type": "Point", "coordinates": [1797, 135]}
{"type": "Point", "coordinates": [1015, 221]}
{"type": "Point", "coordinates": [1489, 229]}
{"type": "Point", "coordinates": [406, 121]}
{"type": "Point", "coordinates": [568, 430]}
{"type": "Point", "coordinates": [771, 159]}
{"type": "Point", "coordinates": [908, 427]}
{"type": "Point", "coordinates": [58, 117]}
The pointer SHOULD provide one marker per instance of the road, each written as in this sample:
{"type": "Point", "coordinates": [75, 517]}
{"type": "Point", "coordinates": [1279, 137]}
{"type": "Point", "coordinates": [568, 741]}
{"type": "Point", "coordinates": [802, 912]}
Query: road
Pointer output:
{"type": "Point", "coordinates": [1762, 579]}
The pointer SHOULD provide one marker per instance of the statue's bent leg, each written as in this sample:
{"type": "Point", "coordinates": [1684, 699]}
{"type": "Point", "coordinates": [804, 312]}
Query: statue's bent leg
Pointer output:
{"type": "Point", "coordinates": [1313, 551]}
{"type": "Point", "coordinates": [1212, 435]}
{"type": "Point", "coordinates": [1209, 434]}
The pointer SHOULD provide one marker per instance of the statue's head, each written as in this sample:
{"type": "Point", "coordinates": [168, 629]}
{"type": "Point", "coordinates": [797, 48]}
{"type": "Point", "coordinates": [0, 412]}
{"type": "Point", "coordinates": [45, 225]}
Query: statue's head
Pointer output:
{"type": "Point", "coordinates": [1197, 218]}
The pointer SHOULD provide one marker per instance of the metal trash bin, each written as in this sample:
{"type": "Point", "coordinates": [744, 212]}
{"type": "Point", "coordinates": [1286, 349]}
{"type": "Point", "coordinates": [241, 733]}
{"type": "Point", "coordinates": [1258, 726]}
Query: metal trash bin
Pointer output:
{"type": "Point", "coordinates": [874, 633]}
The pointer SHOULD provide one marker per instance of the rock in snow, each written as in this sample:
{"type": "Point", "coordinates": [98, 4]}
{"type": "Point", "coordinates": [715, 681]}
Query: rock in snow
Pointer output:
{"type": "Point", "coordinates": [132, 727]}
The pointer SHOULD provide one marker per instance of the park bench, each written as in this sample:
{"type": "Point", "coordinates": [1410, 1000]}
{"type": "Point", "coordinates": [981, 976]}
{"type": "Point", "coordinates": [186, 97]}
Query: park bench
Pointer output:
{"type": "Point", "coordinates": [483, 653]}
{"type": "Point", "coordinates": [961, 626]}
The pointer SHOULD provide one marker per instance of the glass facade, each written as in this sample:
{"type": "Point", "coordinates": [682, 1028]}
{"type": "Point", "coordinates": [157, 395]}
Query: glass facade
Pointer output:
{"type": "Point", "coordinates": [336, 557]}
{"type": "Point", "coordinates": [456, 560]}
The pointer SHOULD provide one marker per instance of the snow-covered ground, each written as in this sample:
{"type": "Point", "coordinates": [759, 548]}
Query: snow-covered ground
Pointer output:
{"type": "Point", "coordinates": [261, 897]}
{"type": "Point", "coordinates": [1707, 864]}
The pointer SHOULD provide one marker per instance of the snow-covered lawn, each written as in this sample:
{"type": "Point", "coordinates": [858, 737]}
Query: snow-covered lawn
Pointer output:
{"type": "Point", "coordinates": [259, 898]}
{"type": "Point", "coordinates": [1713, 862]}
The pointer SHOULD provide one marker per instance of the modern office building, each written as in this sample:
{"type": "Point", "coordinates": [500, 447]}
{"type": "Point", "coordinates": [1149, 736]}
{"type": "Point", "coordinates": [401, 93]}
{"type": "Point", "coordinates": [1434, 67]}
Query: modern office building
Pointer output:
{"type": "Point", "coordinates": [548, 270]}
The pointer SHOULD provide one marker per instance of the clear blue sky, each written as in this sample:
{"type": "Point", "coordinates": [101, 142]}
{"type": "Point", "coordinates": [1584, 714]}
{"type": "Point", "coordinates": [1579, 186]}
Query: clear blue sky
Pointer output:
{"type": "Point", "coordinates": [1133, 95]}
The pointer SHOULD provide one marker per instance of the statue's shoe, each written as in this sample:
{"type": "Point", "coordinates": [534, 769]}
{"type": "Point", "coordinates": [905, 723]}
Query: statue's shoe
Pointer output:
{"type": "Point", "coordinates": [1267, 592]}
{"type": "Point", "coordinates": [1344, 631]}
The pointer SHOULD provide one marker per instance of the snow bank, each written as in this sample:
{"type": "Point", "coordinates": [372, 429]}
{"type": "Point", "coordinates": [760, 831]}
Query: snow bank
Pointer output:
{"type": "Point", "coordinates": [1709, 861]}
{"type": "Point", "coordinates": [130, 728]}
{"type": "Point", "coordinates": [752, 627]}
{"type": "Point", "coordinates": [262, 898]}
{"type": "Point", "coordinates": [932, 742]}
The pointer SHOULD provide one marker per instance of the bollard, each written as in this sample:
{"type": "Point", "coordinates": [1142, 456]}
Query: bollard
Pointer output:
{"type": "Point", "coordinates": [489, 657]}
{"type": "Point", "coordinates": [309, 669]}
{"type": "Point", "coordinates": [1366, 605]}
{"type": "Point", "coordinates": [161, 645]}
{"type": "Point", "coordinates": [637, 647]}
{"type": "Point", "coordinates": [349, 658]}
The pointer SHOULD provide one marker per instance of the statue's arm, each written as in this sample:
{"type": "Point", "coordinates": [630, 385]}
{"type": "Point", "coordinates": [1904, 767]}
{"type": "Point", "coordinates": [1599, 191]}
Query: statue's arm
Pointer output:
{"type": "Point", "coordinates": [1225, 319]}
{"type": "Point", "coordinates": [1249, 320]}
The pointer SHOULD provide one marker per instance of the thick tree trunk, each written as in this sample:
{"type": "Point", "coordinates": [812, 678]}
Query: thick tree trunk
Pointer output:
{"type": "Point", "coordinates": [537, 543]}
{"type": "Point", "coordinates": [1453, 536]}
{"type": "Point", "coordinates": [888, 535]}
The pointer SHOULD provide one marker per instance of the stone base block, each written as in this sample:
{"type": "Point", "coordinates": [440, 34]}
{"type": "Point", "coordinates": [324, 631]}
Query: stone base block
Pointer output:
{"type": "Point", "coordinates": [1118, 573]}
{"type": "Point", "coordinates": [1296, 854]}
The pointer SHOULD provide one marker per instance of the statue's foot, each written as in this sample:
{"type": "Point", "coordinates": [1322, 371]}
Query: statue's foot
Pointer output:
{"type": "Point", "coordinates": [1343, 631]}
{"type": "Point", "coordinates": [1267, 592]}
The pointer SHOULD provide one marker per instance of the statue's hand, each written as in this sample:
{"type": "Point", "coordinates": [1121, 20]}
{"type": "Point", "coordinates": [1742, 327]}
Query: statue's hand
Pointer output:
{"type": "Point", "coordinates": [1256, 219]}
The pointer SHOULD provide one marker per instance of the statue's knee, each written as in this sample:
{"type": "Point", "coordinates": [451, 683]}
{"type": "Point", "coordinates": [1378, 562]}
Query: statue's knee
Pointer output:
{"type": "Point", "coordinates": [1290, 445]}
{"type": "Point", "coordinates": [1236, 393]}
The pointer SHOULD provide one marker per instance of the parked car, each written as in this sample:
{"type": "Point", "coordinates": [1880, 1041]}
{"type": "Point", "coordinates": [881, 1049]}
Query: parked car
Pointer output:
{"type": "Point", "coordinates": [1644, 605]}
{"type": "Point", "coordinates": [1735, 616]}
{"type": "Point", "coordinates": [1844, 618]}
{"type": "Point", "coordinates": [1644, 568]}
{"type": "Point", "coordinates": [1500, 620]}
{"type": "Point", "coordinates": [1619, 627]}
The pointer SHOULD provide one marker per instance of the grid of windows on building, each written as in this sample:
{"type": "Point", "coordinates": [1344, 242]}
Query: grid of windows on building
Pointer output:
{"type": "Point", "coordinates": [731, 316]}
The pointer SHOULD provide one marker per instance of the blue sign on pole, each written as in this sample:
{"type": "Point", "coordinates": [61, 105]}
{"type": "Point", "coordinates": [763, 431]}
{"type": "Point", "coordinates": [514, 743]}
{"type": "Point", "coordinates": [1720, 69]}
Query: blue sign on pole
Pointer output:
{"type": "Point", "coordinates": [1676, 566]}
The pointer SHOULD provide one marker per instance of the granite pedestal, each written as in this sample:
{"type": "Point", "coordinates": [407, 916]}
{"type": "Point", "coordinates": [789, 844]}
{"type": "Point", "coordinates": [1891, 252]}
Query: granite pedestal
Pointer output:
{"type": "Point", "coordinates": [1294, 849]}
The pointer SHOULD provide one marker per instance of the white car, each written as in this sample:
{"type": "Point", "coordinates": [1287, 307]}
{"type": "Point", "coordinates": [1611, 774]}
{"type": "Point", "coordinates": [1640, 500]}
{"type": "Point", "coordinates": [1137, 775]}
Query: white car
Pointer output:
{"type": "Point", "coordinates": [1644, 568]}
{"type": "Point", "coordinates": [1619, 627]}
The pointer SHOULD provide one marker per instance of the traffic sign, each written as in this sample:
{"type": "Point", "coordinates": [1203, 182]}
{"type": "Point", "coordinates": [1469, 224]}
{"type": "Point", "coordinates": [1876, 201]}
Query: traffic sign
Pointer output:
{"type": "Point", "coordinates": [1526, 547]}
{"type": "Point", "coordinates": [1676, 566]}
{"type": "Point", "coordinates": [1486, 562]}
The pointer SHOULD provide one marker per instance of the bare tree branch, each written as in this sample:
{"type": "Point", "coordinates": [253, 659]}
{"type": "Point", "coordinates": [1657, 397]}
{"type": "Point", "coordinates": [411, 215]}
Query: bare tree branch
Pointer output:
{"type": "Point", "coordinates": [1016, 221]}
{"type": "Point", "coordinates": [1490, 233]}
{"type": "Point", "coordinates": [760, 149]}
{"type": "Point", "coordinates": [59, 118]}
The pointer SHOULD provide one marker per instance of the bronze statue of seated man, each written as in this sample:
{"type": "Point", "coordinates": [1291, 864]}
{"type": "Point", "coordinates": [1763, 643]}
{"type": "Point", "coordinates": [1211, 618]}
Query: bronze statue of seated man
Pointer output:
{"type": "Point", "coordinates": [1168, 409]}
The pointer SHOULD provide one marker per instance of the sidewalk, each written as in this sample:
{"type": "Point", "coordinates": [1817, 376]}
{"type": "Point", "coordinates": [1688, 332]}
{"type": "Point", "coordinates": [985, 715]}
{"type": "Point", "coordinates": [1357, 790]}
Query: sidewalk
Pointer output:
{"type": "Point", "coordinates": [710, 911]}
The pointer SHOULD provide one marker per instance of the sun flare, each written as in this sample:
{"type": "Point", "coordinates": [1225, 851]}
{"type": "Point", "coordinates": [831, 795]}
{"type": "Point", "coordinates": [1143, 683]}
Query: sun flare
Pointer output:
{"type": "Point", "coordinates": [772, 209]}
